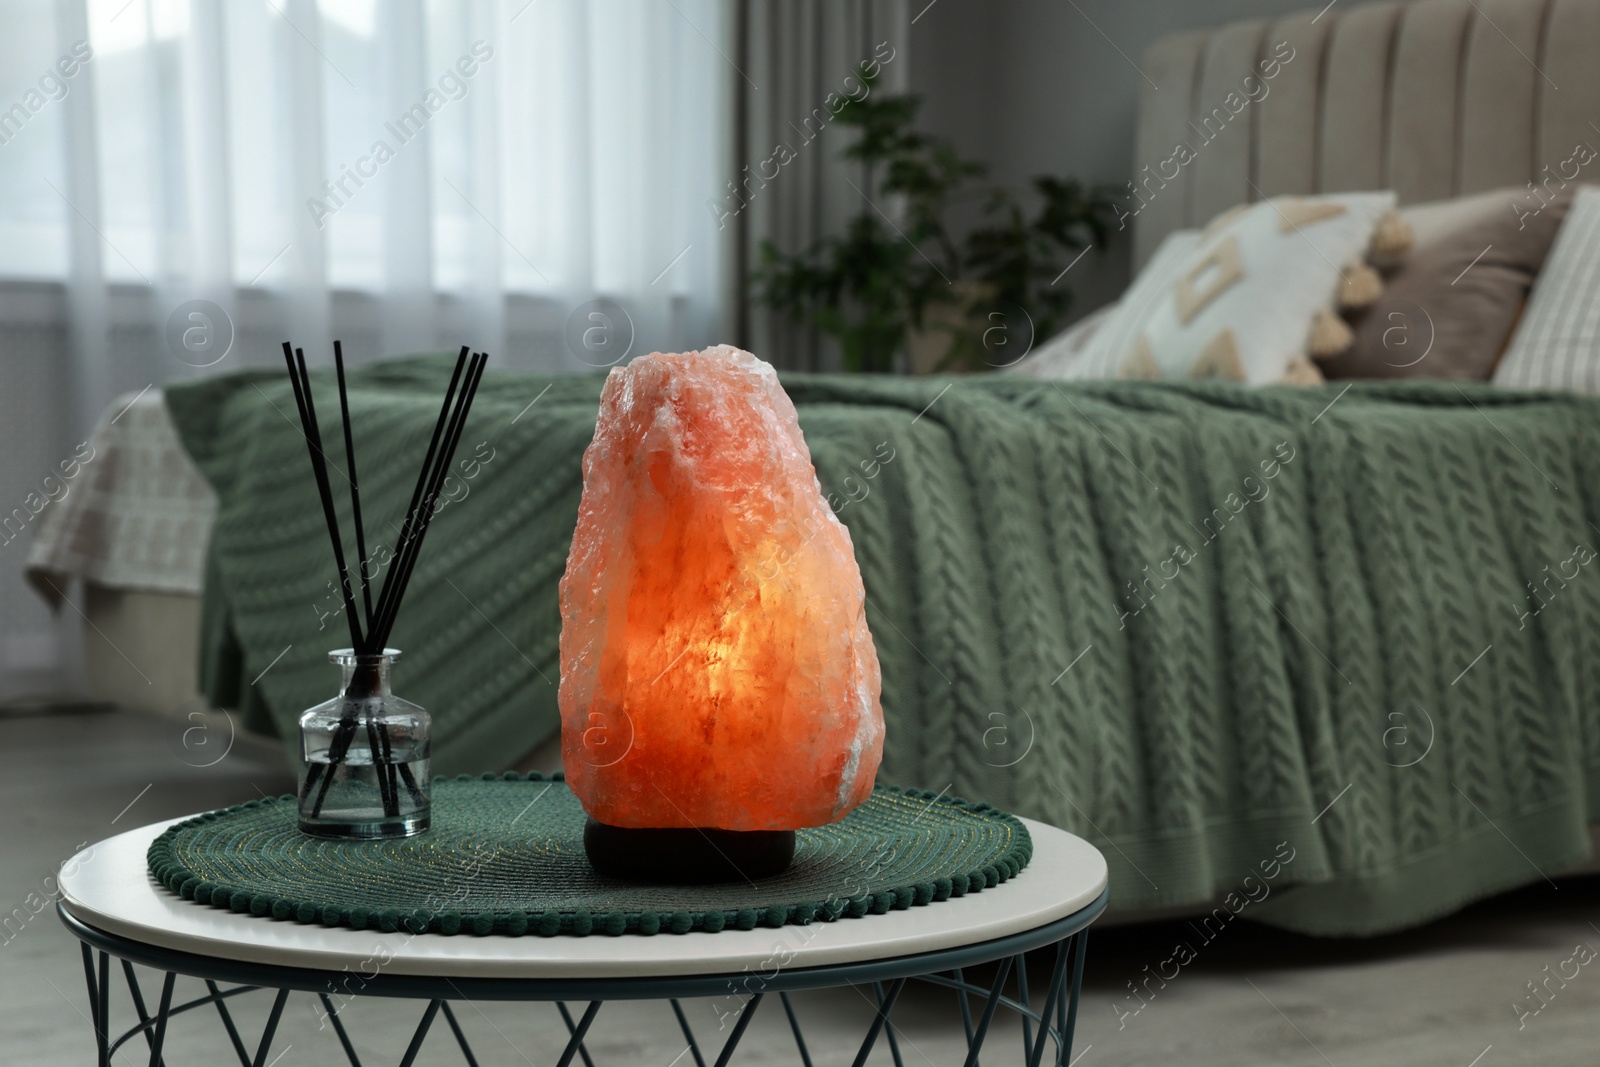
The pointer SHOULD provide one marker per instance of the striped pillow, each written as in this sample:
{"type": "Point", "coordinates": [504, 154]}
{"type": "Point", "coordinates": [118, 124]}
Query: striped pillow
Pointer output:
{"type": "Point", "coordinates": [1557, 344]}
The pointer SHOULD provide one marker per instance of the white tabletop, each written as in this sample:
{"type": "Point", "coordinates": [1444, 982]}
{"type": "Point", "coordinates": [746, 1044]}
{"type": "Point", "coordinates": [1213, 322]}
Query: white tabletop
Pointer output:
{"type": "Point", "coordinates": [108, 886]}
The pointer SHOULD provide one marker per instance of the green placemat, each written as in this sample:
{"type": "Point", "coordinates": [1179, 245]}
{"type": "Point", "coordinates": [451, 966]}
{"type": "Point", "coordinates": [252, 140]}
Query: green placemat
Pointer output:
{"type": "Point", "coordinates": [505, 856]}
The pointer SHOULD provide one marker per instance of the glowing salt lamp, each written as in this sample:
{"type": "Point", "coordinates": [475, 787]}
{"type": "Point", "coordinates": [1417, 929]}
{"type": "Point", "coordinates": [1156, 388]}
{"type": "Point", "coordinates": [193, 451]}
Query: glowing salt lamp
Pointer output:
{"type": "Point", "coordinates": [719, 686]}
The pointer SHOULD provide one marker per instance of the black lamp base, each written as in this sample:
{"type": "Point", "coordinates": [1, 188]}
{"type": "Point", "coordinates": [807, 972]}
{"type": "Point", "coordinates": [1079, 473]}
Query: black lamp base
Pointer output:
{"type": "Point", "coordinates": [687, 857]}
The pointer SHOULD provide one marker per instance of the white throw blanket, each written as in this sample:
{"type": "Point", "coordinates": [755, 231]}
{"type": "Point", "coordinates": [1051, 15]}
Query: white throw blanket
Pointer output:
{"type": "Point", "coordinates": [135, 514]}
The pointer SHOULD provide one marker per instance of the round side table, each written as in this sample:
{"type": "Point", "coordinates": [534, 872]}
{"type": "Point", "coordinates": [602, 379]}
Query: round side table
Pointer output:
{"type": "Point", "coordinates": [113, 906]}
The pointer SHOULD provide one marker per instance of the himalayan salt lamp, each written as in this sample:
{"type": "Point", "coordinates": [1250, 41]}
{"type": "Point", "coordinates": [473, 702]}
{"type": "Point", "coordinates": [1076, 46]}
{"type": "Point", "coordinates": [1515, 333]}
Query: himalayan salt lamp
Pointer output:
{"type": "Point", "coordinates": [719, 686]}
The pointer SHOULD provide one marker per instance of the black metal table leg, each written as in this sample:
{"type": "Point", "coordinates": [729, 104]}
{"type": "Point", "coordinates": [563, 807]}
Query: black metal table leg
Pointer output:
{"type": "Point", "coordinates": [794, 1025]}
{"type": "Point", "coordinates": [163, 1013]}
{"type": "Point", "coordinates": [100, 1035]}
{"type": "Point", "coordinates": [575, 1042]}
{"type": "Point", "coordinates": [339, 1031]}
{"type": "Point", "coordinates": [105, 1008]}
{"type": "Point", "coordinates": [1056, 1019]}
{"type": "Point", "coordinates": [572, 1028]}
{"type": "Point", "coordinates": [1052, 998]}
{"type": "Point", "coordinates": [1053, 1021]}
{"type": "Point", "coordinates": [421, 1033]}
{"type": "Point", "coordinates": [227, 1023]}
{"type": "Point", "coordinates": [995, 993]}
{"type": "Point", "coordinates": [881, 1017]}
{"type": "Point", "coordinates": [1082, 939]}
{"type": "Point", "coordinates": [888, 1032]}
{"type": "Point", "coordinates": [271, 1029]}
{"type": "Point", "coordinates": [137, 995]}
{"type": "Point", "coordinates": [1022, 998]}
{"type": "Point", "coordinates": [461, 1037]}
{"type": "Point", "coordinates": [966, 1006]}
{"type": "Point", "coordinates": [747, 1013]}
{"type": "Point", "coordinates": [688, 1034]}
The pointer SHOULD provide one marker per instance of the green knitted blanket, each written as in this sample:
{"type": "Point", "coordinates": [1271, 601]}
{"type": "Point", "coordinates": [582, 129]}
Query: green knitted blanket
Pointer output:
{"type": "Point", "coordinates": [1330, 654]}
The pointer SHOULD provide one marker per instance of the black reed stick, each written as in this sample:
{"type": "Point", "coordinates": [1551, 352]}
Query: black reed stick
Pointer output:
{"type": "Point", "coordinates": [386, 595]}
{"type": "Point", "coordinates": [440, 471]}
{"type": "Point", "coordinates": [431, 479]}
{"type": "Point", "coordinates": [308, 430]}
{"type": "Point", "coordinates": [360, 684]}
{"type": "Point", "coordinates": [384, 772]}
{"type": "Point", "coordinates": [362, 562]}
{"type": "Point", "coordinates": [442, 453]}
{"type": "Point", "coordinates": [423, 514]}
{"type": "Point", "coordinates": [383, 769]}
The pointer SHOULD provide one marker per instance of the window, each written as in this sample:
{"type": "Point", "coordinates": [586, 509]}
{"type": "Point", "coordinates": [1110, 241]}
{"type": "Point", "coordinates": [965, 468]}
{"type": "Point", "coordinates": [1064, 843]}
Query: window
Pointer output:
{"type": "Point", "coordinates": [559, 148]}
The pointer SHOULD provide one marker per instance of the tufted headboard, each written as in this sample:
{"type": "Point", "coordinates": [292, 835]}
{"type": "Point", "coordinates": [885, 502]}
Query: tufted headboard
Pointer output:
{"type": "Point", "coordinates": [1432, 99]}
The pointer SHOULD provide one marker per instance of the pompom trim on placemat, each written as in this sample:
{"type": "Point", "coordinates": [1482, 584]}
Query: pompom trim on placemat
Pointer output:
{"type": "Point", "coordinates": [998, 864]}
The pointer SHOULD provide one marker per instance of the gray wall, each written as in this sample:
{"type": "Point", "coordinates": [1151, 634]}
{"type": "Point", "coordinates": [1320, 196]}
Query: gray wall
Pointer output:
{"type": "Point", "coordinates": [1051, 86]}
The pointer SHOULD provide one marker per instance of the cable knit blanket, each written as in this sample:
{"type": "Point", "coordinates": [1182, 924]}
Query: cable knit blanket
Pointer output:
{"type": "Point", "coordinates": [1329, 655]}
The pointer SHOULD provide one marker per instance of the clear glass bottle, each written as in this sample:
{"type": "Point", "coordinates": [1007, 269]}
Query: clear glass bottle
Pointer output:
{"type": "Point", "coordinates": [366, 756]}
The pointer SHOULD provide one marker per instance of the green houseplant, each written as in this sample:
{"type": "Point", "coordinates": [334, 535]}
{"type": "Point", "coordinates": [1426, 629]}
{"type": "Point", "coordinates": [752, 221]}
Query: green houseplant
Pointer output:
{"type": "Point", "coordinates": [873, 286]}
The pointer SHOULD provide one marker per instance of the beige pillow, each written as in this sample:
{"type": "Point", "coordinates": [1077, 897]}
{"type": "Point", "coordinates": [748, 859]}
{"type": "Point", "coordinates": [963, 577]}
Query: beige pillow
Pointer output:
{"type": "Point", "coordinates": [1448, 309]}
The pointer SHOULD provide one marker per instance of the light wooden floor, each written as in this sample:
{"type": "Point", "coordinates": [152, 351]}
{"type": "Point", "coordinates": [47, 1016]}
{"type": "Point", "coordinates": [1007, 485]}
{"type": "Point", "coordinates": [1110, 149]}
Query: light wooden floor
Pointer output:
{"type": "Point", "coordinates": [1442, 995]}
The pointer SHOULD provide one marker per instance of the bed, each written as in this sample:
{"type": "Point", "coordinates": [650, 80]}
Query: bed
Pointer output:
{"type": "Point", "coordinates": [1195, 622]}
{"type": "Point", "coordinates": [1208, 628]}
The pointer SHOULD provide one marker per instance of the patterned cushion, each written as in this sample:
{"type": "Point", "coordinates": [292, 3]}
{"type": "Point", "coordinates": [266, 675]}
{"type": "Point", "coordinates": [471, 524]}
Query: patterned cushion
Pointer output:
{"type": "Point", "coordinates": [1557, 344]}
{"type": "Point", "coordinates": [1051, 359]}
{"type": "Point", "coordinates": [1246, 299]}
{"type": "Point", "coordinates": [1116, 336]}
{"type": "Point", "coordinates": [1259, 294]}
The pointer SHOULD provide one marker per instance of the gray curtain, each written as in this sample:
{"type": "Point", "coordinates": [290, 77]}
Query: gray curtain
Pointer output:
{"type": "Point", "coordinates": [788, 184]}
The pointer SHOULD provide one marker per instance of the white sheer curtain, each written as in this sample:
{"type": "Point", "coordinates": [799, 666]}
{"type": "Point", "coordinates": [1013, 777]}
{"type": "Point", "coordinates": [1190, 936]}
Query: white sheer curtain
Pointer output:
{"type": "Point", "coordinates": [418, 174]}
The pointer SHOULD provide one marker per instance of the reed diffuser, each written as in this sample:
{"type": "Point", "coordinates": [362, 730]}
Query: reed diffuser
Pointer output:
{"type": "Point", "coordinates": [367, 751]}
